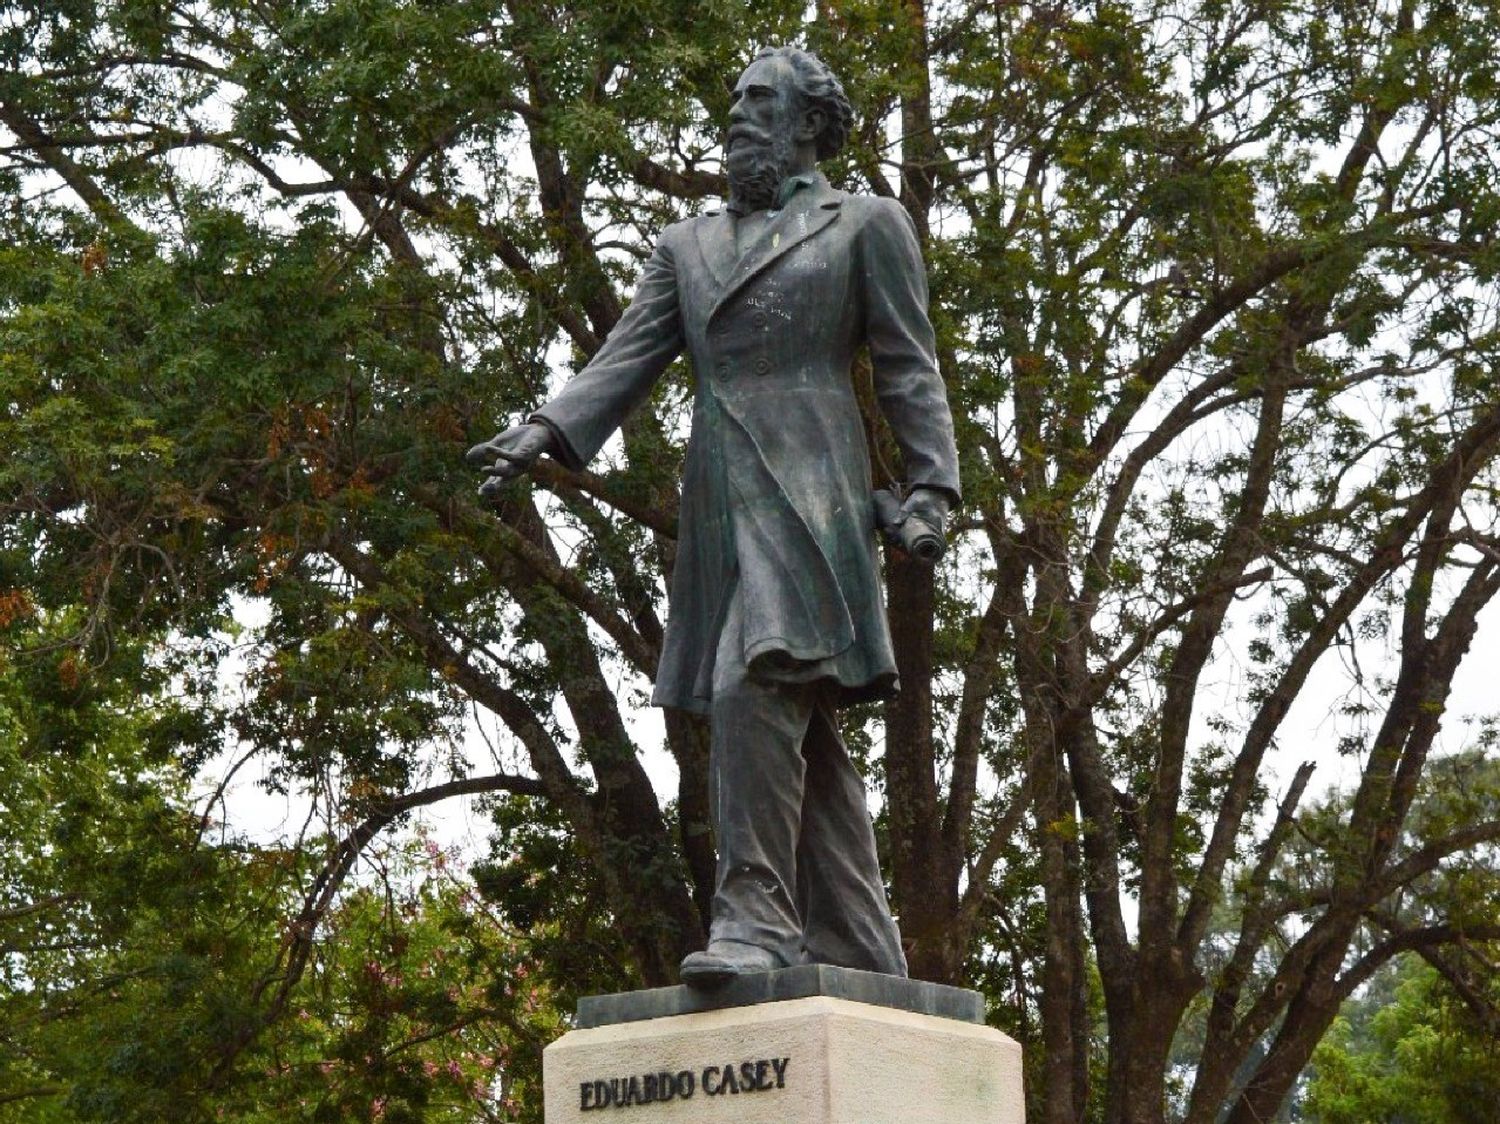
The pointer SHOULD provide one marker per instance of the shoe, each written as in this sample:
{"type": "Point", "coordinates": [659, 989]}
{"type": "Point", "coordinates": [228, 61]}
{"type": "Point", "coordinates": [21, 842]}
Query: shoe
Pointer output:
{"type": "Point", "coordinates": [722, 961]}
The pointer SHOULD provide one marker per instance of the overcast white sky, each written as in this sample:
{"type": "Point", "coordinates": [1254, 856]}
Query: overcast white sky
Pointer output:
{"type": "Point", "coordinates": [1311, 731]}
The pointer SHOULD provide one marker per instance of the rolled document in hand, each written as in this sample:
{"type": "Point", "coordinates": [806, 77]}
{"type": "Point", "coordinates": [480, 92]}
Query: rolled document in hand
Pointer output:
{"type": "Point", "coordinates": [904, 529]}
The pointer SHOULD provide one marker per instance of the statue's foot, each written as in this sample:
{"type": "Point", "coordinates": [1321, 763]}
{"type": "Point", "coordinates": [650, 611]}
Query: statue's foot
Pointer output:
{"type": "Point", "coordinates": [722, 961]}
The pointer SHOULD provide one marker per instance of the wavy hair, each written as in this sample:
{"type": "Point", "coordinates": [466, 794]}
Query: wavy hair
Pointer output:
{"type": "Point", "coordinates": [820, 89]}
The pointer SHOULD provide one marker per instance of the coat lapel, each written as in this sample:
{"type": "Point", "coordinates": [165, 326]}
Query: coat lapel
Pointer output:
{"type": "Point", "coordinates": [715, 235]}
{"type": "Point", "coordinates": [809, 211]}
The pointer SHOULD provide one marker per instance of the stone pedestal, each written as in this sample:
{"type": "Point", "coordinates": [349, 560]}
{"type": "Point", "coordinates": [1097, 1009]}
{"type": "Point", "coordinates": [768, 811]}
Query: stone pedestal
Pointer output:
{"type": "Point", "coordinates": [807, 1045]}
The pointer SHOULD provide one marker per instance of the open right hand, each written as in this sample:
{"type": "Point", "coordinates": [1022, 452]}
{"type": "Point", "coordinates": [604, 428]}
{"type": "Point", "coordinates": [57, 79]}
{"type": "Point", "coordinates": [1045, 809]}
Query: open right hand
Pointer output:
{"type": "Point", "coordinates": [509, 454]}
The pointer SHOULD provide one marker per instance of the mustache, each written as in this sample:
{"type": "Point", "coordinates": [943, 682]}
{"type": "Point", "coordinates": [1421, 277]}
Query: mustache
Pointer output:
{"type": "Point", "coordinates": [745, 136]}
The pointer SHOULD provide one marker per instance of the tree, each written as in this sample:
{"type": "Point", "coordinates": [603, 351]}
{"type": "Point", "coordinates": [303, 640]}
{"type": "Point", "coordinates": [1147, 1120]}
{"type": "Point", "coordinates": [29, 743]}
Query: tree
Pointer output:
{"type": "Point", "coordinates": [1215, 288]}
{"type": "Point", "coordinates": [135, 933]}
{"type": "Point", "coordinates": [1407, 1051]}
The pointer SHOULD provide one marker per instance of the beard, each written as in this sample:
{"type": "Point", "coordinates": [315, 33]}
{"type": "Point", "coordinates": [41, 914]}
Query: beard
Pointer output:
{"type": "Point", "coordinates": [756, 167]}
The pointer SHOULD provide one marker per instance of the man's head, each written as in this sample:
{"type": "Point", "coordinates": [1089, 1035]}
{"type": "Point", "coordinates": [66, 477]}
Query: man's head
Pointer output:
{"type": "Point", "coordinates": [789, 111]}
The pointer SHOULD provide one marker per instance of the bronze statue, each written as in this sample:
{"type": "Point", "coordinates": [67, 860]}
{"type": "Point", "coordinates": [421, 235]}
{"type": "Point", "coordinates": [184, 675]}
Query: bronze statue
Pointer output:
{"type": "Point", "coordinates": [777, 615]}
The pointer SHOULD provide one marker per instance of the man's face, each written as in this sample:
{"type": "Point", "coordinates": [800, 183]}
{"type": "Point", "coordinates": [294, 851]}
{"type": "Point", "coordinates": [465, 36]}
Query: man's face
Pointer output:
{"type": "Point", "coordinates": [764, 104]}
{"type": "Point", "coordinates": [760, 146]}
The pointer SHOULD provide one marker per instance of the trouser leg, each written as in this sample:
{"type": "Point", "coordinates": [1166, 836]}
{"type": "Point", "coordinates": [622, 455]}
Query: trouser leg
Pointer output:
{"type": "Point", "coordinates": [756, 777]}
{"type": "Point", "coordinates": [841, 896]}
{"type": "Point", "coordinates": [798, 873]}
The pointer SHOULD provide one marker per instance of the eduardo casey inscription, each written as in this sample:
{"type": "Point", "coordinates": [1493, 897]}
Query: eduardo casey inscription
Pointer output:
{"type": "Point", "coordinates": [759, 1076]}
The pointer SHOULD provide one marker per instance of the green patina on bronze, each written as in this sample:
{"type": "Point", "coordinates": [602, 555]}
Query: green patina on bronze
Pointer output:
{"type": "Point", "coordinates": [777, 614]}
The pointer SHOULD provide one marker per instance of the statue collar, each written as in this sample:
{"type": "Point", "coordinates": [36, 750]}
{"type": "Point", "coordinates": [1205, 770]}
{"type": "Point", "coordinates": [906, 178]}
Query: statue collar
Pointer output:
{"type": "Point", "coordinates": [789, 187]}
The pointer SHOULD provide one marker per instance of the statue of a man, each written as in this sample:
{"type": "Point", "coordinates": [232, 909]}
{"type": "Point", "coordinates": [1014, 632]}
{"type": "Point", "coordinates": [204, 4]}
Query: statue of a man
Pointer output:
{"type": "Point", "coordinates": [777, 615]}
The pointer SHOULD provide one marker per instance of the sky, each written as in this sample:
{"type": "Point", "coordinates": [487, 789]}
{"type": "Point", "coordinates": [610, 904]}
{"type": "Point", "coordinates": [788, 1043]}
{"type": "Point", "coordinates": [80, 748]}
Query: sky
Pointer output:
{"type": "Point", "coordinates": [1312, 731]}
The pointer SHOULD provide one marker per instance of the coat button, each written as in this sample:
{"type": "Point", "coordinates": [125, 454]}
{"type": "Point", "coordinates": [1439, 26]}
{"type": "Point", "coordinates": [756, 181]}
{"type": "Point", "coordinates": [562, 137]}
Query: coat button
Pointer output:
{"type": "Point", "coordinates": [722, 366]}
{"type": "Point", "coordinates": [762, 365]}
{"type": "Point", "coordinates": [760, 319]}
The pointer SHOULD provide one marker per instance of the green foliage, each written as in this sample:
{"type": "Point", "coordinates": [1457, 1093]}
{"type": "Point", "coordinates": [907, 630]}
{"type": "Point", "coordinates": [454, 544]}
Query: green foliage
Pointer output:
{"type": "Point", "coordinates": [137, 937]}
{"type": "Point", "coordinates": [1407, 1051]}
{"type": "Point", "coordinates": [1214, 287]}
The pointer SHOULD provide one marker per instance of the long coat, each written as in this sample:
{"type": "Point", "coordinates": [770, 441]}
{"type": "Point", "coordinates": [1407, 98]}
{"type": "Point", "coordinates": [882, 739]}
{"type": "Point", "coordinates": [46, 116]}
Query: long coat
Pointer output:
{"type": "Point", "coordinates": [776, 491]}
